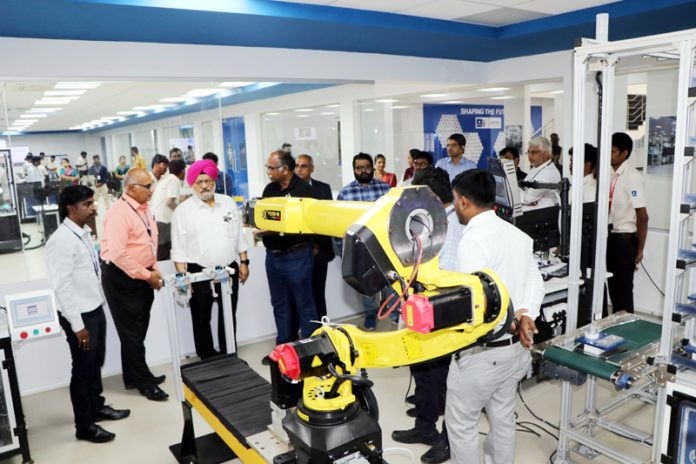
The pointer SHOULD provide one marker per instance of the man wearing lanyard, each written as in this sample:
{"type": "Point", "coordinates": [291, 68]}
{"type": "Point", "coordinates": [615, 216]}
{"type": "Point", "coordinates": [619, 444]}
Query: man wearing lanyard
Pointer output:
{"type": "Point", "coordinates": [289, 258]}
{"type": "Point", "coordinates": [628, 224]}
{"type": "Point", "coordinates": [207, 232]}
{"type": "Point", "coordinates": [73, 273]}
{"type": "Point", "coordinates": [543, 171]}
{"type": "Point", "coordinates": [129, 275]}
{"type": "Point", "coordinates": [487, 376]}
{"type": "Point", "coordinates": [101, 176]}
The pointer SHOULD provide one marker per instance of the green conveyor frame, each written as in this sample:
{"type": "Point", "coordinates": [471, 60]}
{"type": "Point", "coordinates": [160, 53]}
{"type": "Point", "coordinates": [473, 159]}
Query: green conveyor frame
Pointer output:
{"type": "Point", "coordinates": [637, 334]}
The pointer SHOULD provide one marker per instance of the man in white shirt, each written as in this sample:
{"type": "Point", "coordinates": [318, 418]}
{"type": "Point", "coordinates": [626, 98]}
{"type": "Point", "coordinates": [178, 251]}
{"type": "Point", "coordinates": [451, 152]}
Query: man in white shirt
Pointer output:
{"type": "Point", "coordinates": [628, 223]}
{"type": "Point", "coordinates": [589, 182]}
{"type": "Point", "coordinates": [488, 376]}
{"type": "Point", "coordinates": [207, 232]}
{"type": "Point", "coordinates": [74, 276]}
{"type": "Point", "coordinates": [164, 201]}
{"type": "Point", "coordinates": [543, 171]}
{"type": "Point", "coordinates": [81, 164]}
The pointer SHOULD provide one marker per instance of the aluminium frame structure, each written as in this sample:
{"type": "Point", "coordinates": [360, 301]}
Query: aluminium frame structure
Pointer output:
{"type": "Point", "coordinates": [678, 45]}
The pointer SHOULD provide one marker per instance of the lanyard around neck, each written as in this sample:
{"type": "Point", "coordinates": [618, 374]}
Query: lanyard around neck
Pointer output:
{"type": "Point", "coordinates": [146, 224]}
{"type": "Point", "coordinates": [95, 264]}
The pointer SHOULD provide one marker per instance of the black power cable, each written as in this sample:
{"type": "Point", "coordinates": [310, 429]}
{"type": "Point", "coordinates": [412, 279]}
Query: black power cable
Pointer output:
{"type": "Point", "coordinates": [651, 279]}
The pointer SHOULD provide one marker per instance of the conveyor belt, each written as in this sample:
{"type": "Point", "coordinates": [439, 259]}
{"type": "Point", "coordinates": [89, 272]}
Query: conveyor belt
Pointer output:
{"type": "Point", "coordinates": [233, 392]}
{"type": "Point", "coordinates": [636, 334]}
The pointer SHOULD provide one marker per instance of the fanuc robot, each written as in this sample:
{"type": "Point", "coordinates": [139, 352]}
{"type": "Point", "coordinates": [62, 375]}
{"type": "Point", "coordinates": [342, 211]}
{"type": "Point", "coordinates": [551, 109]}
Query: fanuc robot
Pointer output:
{"type": "Point", "coordinates": [392, 242]}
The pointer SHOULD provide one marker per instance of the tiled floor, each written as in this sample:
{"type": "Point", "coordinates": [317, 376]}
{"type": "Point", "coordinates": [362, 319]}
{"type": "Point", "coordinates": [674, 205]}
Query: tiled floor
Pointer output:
{"type": "Point", "coordinates": [152, 427]}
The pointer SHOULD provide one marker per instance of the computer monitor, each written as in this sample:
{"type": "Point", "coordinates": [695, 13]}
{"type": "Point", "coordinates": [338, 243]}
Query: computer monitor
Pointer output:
{"type": "Point", "coordinates": [32, 315]}
{"type": "Point", "coordinates": [542, 226]}
{"type": "Point", "coordinates": [507, 193]}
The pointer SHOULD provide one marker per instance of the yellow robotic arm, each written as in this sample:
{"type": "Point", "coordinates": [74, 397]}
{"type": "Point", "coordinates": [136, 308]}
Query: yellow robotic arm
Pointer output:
{"type": "Point", "coordinates": [395, 242]}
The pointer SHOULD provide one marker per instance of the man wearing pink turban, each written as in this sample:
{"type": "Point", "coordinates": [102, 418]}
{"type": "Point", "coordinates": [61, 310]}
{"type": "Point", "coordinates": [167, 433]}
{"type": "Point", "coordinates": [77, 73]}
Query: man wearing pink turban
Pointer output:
{"type": "Point", "coordinates": [207, 232]}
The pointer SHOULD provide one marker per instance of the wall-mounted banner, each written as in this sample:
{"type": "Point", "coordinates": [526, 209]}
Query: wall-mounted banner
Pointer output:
{"type": "Point", "coordinates": [234, 140]}
{"type": "Point", "coordinates": [482, 125]}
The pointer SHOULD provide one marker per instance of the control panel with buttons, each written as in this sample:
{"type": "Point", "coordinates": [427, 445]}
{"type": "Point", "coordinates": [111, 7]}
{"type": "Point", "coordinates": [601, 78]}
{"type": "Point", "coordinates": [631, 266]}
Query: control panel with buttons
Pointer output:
{"type": "Point", "coordinates": [32, 315]}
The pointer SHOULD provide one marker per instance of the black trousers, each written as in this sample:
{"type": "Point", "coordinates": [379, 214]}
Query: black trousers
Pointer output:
{"type": "Point", "coordinates": [201, 304]}
{"type": "Point", "coordinates": [85, 381]}
{"type": "Point", "coordinates": [431, 388]}
{"type": "Point", "coordinates": [621, 261]}
{"type": "Point", "coordinates": [319, 285]}
{"type": "Point", "coordinates": [130, 301]}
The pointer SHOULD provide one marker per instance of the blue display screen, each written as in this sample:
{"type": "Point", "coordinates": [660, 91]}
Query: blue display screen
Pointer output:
{"type": "Point", "coordinates": [686, 452]}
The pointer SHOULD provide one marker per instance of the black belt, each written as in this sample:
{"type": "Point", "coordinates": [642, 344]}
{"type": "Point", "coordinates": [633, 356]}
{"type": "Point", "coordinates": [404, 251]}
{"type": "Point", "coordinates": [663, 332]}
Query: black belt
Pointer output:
{"type": "Point", "coordinates": [285, 251]}
{"type": "Point", "coordinates": [623, 235]}
{"type": "Point", "coordinates": [506, 342]}
{"type": "Point", "coordinates": [495, 344]}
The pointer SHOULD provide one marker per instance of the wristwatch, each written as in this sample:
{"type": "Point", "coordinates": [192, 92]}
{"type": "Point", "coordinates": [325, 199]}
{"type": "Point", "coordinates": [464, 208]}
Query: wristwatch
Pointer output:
{"type": "Point", "coordinates": [244, 261]}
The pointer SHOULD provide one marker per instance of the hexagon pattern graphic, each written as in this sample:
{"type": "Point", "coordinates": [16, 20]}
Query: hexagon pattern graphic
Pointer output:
{"type": "Point", "coordinates": [499, 142]}
{"type": "Point", "coordinates": [474, 147]}
{"type": "Point", "coordinates": [446, 126]}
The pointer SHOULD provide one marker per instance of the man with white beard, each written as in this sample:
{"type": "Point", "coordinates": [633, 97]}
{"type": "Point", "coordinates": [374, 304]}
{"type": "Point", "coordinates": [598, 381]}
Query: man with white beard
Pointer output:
{"type": "Point", "coordinates": [207, 232]}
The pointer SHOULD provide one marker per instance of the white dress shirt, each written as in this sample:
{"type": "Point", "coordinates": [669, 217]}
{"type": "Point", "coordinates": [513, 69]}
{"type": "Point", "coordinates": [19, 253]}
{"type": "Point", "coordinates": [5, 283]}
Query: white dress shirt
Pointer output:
{"type": "Point", "coordinates": [448, 253]}
{"type": "Point", "coordinates": [545, 173]}
{"type": "Point", "coordinates": [73, 272]}
{"type": "Point", "coordinates": [589, 188]}
{"type": "Point", "coordinates": [626, 194]}
{"type": "Point", "coordinates": [489, 242]}
{"type": "Point", "coordinates": [207, 236]}
{"type": "Point", "coordinates": [168, 186]}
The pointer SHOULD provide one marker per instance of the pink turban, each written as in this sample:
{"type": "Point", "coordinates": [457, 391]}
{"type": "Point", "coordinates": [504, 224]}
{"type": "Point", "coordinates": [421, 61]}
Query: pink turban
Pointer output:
{"type": "Point", "coordinates": [201, 167]}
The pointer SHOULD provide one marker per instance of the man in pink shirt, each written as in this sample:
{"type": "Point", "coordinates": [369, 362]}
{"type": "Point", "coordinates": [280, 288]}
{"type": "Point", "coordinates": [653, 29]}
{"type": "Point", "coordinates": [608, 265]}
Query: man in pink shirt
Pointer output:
{"type": "Point", "coordinates": [129, 275]}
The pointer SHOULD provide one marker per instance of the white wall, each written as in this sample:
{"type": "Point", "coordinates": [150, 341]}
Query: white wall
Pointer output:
{"type": "Point", "coordinates": [59, 144]}
{"type": "Point", "coordinates": [45, 363]}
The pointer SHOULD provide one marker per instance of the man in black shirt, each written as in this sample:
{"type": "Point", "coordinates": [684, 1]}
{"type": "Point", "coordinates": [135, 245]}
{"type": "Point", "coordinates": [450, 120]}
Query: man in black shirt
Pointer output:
{"type": "Point", "coordinates": [289, 258]}
{"type": "Point", "coordinates": [323, 248]}
{"type": "Point", "coordinates": [511, 153]}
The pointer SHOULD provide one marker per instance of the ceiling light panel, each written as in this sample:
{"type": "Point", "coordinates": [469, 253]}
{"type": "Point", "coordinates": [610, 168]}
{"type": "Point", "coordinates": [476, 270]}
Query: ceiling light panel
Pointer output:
{"type": "Point", "coordinates": [77, 85]}
{"type": "Point", "coordinates": [494, 89]}
{"type": "Point", "coordinates": [43, 110]}
{"type": "Point", "coordinates": [202, 92]}
{"type": "Point", "coordinates": [434, 95]}
{"type": "Point", "coordinates": [236, 84]}
{"type": "Point", "coordinates": [52, 101]}
{"type": "Point", "coordinates": [63, 93]}
{"type": "Point", "coordinates": [35, 115]}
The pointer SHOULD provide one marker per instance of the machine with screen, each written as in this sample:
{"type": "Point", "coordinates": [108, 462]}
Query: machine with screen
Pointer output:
{"type": "Point", "coordinates": [542, 226]}
{"type": "Point", "coordinates": [32, 315]}
{"type": "Point", "coordinates": [507, 192]}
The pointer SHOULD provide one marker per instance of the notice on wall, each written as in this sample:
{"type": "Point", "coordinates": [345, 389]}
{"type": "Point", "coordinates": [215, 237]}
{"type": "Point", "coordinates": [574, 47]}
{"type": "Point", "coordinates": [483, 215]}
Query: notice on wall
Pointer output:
{"type": "Point", "coordinates": [482, 125]}
{"type": "Point", "coordinates": [235, 174]}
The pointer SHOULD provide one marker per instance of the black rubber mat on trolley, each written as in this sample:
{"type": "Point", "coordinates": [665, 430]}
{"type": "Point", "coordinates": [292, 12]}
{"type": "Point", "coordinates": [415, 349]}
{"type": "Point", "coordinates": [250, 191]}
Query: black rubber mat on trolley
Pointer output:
{"type": "Point", "coordinates": [239, 397]}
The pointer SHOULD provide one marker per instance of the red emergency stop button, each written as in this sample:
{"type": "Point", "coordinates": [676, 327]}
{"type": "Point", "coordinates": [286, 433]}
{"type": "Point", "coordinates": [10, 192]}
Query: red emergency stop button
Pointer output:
{"type": "Point", "coordinates": [288, 361]}
{"type": "Point", "coordinates": [48, 330]}
{"type": "Point", "coordinates": [23, 335]}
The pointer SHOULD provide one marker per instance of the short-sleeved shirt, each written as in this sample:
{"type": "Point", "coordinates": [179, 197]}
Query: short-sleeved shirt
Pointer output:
{"type": "Point", "coordinates": [545, 173]}
{"type": "Point", "coordinates": [168, 187]}
{"type": "Point", "coordinates": [626, 194]}
{"type": "Point", "coordinates": [296, 188]}
{"type": "Point", "coordinates": [455, 169]}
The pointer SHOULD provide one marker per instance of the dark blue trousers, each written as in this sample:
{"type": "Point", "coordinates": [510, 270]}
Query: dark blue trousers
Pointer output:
{"type": "Point", "coordinates": [290, 282]}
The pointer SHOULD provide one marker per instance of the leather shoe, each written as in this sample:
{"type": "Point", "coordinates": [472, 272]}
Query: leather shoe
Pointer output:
{"type": "Point", "coordinates": [437, 454]}
{"type": "Point", "coordinates": [158, 381]}
{"type": "Point", "coordinates": [109, 413]}
{"type": "Point", "coordinates": [153, 393]}
{"type": "Point", "coordinates": [414, 436]}
{"type": "Point", "coordinates": [266, 360]}
{"type": "Point", "coordinates": [411, 412]}
{"type": "Point", "coordinates": [411, 399]}
{"type": "Point", "coordinates": [95, 434]}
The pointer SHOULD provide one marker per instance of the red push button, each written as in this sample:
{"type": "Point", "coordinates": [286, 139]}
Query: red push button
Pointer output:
{"type": "Point", "coordinates": [23, 335]}
{"type": "Point", "coordinates": [48, 330]}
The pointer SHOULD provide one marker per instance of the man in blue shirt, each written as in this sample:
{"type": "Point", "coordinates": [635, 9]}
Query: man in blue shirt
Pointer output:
{"type": "Point", "coordinates": [455, 163]}
{"type": "Point", "coordinates": [223, 184]}
{"type": "Point", "coordinates": [365, 188]}
{"type": "Point", "coordinates": [101, 176]}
